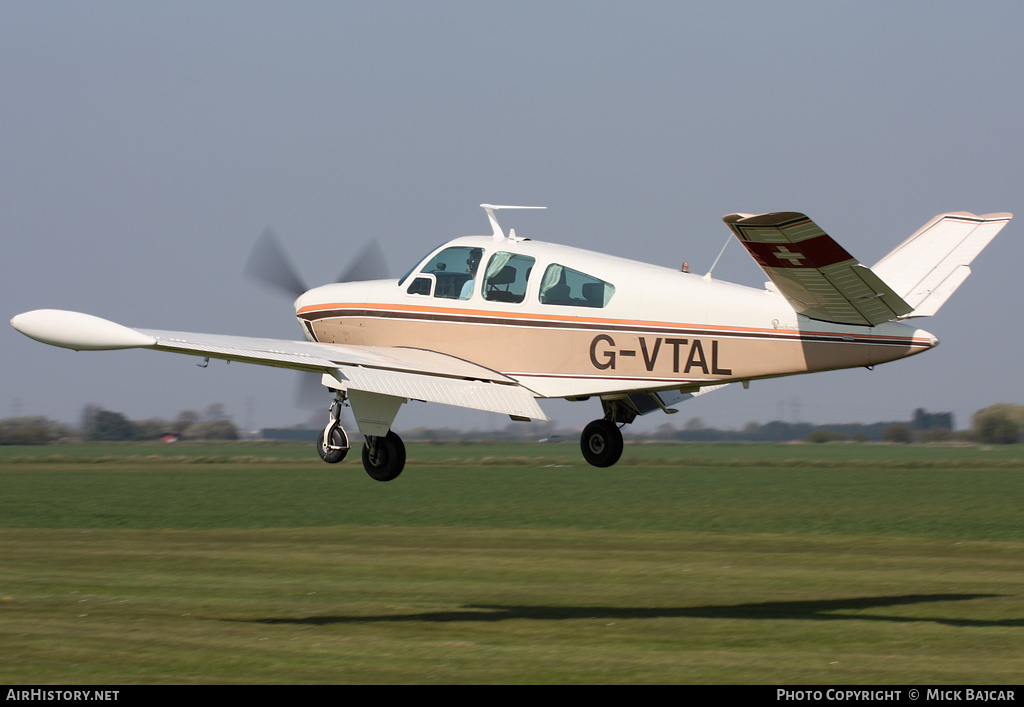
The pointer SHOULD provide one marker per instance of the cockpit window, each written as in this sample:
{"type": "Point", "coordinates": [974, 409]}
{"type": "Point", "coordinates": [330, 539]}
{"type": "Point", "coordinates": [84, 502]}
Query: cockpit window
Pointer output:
{"type": "Point", "coordinates": [565, 286]}
{"type": "Point", "coordinates": [408, 272]}
{"type": "Point", "coordinates": [421, 286]}
{"type": "Point", "coordinates": [454, 270]}
{"type": "Point", "coordinates": [506, 277]}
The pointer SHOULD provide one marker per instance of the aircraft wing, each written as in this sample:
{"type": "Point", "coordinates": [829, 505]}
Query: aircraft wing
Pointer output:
{"type": "Point", "coordinates": [813, 272]}
{"type": "Point", "coordinates": [393, 371]}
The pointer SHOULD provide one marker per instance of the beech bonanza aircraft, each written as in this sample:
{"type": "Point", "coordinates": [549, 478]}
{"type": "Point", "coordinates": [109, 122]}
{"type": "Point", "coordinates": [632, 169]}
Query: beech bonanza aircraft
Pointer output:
{"type": "Point", "coordinates": [496, 322]}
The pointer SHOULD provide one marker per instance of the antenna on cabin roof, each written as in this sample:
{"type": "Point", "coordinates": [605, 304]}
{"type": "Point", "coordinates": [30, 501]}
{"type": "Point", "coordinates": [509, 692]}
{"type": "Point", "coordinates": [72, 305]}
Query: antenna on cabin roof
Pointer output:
{"type": "Point", "coordinates": [497, 233]}
{"type": "Point", "coordinates": [720, 253]}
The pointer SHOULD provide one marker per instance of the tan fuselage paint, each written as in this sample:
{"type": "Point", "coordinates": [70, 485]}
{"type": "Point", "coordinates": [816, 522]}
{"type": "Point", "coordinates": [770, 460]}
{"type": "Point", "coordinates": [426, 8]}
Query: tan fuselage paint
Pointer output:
{"type": "Point", "coordinates": [589, 348]}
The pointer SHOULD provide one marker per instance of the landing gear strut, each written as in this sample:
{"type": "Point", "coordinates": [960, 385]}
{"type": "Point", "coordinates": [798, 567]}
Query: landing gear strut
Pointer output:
{"type": "Point", "coordinates": [383, 457]}
{"type": "Point", "coordinates": [332, 444]}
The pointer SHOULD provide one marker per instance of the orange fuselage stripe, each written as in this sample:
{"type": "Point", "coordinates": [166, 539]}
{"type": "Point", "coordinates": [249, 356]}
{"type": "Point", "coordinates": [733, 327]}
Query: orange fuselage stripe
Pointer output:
{"type": "Point", "coordinates": [624, 323]}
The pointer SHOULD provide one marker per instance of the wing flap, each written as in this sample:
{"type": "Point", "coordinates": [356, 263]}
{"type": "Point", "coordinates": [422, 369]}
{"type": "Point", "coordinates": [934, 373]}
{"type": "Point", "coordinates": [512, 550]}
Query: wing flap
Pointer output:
{"type": "Point", "coordinates": [475, 394]}
{"type": "Point", "coordinates": [813, 272]}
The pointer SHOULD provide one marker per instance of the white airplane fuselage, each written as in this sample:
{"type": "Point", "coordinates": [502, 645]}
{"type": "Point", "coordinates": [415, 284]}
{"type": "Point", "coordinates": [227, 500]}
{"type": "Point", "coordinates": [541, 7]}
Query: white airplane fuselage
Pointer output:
{"type": "Point", "coordinates": [492, 323]}
{"type": "Point", "coordinates": [655, 328]}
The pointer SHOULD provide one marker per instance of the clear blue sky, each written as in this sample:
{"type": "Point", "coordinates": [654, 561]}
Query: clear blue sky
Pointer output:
{"type": "Point", "coordinates": [146, 145]}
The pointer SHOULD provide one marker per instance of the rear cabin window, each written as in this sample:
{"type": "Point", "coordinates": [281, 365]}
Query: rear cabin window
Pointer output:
{"type": "Point", "coordinates": [506, 277]}
{"type": "Point", "coordinates": [568, 287]}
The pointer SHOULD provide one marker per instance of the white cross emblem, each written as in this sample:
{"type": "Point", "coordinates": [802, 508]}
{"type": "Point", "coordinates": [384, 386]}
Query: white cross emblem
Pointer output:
{"type": "Point", "coordinates": [784, 252]}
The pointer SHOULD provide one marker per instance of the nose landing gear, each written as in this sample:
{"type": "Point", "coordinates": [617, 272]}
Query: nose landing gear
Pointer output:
{"type": "Point", "coordinates": [332, 444]}
{"type": "Point", "coordinates": [383, 457]}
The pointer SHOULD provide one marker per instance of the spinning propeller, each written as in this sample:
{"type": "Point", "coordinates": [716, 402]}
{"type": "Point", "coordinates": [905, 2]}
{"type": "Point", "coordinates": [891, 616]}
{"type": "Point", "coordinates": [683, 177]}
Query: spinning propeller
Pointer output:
{"type": "Point", "coordinates": [269, 265]}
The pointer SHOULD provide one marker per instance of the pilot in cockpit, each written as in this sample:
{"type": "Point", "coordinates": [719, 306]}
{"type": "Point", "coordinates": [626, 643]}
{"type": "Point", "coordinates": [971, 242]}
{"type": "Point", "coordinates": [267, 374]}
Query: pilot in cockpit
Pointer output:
{"type": "Point", "coordinates": [472, 264]}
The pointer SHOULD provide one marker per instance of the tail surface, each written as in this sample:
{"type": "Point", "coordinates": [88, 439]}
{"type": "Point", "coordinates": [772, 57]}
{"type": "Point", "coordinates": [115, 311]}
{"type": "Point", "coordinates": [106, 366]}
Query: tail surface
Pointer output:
{"type": "Point", "coordinates": [927, 268]}
{"type": "Point", "coordinates": [822, 281]}
{"type": "Point", "coordinates": [813, 272]}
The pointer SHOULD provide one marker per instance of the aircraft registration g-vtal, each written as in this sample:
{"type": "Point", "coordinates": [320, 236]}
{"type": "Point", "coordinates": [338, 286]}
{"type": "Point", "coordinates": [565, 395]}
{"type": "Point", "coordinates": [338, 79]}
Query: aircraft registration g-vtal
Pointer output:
{"type": "Point", "coordinates": [497, 322]}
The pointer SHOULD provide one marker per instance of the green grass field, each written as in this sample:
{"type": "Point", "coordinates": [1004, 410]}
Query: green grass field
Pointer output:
{"type": "Point", "coordinates": [256, 563]}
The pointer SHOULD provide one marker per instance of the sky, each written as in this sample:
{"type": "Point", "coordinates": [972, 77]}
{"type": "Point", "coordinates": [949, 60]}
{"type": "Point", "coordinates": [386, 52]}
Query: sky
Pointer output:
{"type": "Point", "coordinates": [146, 145]}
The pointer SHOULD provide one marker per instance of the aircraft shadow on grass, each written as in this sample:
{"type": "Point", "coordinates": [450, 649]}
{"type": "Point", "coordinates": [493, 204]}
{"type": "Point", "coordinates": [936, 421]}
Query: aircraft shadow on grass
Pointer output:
{"type": "Point", "coordinates": [823, 610]}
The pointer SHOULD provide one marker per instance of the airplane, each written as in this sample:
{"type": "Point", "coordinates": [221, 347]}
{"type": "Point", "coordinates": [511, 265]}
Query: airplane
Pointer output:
{"type": "Point", "coordinates": [497, 322]}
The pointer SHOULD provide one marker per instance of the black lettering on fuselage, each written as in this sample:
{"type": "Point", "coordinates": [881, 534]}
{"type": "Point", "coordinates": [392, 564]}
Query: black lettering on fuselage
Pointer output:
{"type": "Point", "coordinates": [675, 344]}
{"type": "Point", "coordinates": [696, 357]}
{"type": "Point", "coordinates": [714, 361]}
{"type": "Point", "coordinates": [603, 355]}
{"type": "Point", "coordinates": [609, 356]}
{"type": "Point", "coordinates": [650, 360]}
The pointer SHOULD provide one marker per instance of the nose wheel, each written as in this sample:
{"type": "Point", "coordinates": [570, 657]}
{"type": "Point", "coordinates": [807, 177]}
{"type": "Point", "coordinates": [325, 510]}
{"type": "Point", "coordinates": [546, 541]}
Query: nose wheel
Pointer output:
{"type": "Point", "coordinates": [332, 444]}
{"type": "Point", "coordinates": [601, 443]}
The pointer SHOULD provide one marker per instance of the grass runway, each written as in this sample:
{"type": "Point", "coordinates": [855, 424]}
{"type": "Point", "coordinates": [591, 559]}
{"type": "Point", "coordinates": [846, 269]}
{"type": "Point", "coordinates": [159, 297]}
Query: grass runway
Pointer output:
{"type": "Point", "coordinates": [764, 564]}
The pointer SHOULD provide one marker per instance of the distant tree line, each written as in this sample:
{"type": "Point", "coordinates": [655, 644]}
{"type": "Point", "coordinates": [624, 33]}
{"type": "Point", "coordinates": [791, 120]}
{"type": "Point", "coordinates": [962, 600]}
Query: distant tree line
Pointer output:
{"type": "Point", "coordinates": [993, 425]}
{"type": "Point", "coordinates": [32, 429]}
{"type": "Point", "coordinates": [924, 427]}
{"type": "Point", "coordinates": [99, 425]}
{"type": "Point", "coordinates": [1002, 423]}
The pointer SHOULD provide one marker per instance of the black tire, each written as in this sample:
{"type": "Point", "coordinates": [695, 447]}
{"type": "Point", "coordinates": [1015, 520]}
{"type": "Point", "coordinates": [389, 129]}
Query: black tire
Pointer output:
{"type": "Point", "coordinates": [601, 443]}
{"type": "Point", "coordinates": [388, 459]}
{"type": "Point", "coordinates": [338, 439]}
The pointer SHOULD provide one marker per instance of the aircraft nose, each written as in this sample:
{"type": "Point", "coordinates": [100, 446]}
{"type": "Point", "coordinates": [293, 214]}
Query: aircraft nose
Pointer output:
{"type": "Point", "coordinates": [301, 301]}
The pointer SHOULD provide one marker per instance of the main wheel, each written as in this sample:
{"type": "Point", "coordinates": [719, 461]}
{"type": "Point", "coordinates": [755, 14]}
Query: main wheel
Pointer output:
{"type": "Point", "coordinates": [601, 443]}
{"type": "Point", "coordinates": [384, 457]}
{"type": "Point", "coordinates": [338, 439]}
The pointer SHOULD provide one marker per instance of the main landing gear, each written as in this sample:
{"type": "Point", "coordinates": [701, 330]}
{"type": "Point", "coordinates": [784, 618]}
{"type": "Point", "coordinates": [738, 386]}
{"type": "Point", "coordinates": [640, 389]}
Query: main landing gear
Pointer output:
{"type": "Point", "coordinates": [601, 441]}
{"type": "Point", "coordinates": [383, 457]}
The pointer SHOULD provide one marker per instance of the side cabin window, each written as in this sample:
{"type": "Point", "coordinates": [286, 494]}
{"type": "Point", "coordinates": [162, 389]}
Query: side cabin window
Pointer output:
{"type": "Point", "coordinates": [565, 286]}
{"type": "Point", "coordinates": [423, 285]}
{"type": "Point", "coordinates": [506, 277]}
{"type": "Point", "coordinates": [454, 273]}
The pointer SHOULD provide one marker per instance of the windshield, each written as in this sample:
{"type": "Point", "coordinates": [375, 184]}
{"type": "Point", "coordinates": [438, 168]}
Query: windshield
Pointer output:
{"type": "Point", "coordinates": [414, 266]}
